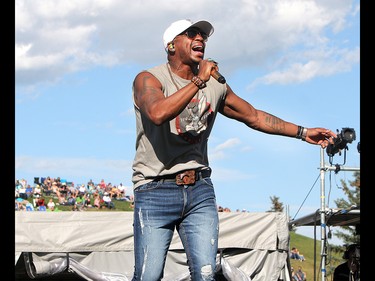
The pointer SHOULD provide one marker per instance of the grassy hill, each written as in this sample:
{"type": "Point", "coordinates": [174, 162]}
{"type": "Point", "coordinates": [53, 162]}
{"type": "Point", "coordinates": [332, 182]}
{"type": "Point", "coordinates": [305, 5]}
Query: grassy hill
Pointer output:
{"type": "Point", "coordinates": [305, 245]}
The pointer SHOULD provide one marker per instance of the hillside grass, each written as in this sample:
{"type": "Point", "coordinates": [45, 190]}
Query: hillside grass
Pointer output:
{"type": "Point", "coordinates": [305, 245]}
{"type": "Point", "coordinates": [120, 205]}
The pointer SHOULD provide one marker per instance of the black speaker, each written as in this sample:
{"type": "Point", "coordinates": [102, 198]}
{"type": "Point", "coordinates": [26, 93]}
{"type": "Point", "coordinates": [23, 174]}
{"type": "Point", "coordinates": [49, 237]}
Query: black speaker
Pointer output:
{"type": "Point", "coordinates": [36, 180]}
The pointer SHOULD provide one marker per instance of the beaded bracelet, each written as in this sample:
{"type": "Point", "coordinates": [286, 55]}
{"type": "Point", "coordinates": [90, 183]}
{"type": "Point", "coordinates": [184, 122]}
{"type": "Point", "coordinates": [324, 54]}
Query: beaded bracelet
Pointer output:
{"type": "Point", "coordinates": [198, 82]}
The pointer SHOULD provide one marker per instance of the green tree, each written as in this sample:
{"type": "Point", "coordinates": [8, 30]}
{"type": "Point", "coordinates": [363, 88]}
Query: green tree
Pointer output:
{"type": "Point", "coordinates": [349, 234]}
{"type": "Point", "coordinates": [277, 206]}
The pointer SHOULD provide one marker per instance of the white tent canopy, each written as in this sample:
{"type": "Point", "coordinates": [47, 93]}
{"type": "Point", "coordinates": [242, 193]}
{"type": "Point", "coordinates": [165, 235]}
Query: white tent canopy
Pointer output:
{"type": "Point", "coordinates": [99, 246]}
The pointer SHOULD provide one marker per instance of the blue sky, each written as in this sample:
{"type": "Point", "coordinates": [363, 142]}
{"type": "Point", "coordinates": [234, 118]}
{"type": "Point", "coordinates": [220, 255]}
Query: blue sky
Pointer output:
{"type": "Point", "coordinates": [297, 59]}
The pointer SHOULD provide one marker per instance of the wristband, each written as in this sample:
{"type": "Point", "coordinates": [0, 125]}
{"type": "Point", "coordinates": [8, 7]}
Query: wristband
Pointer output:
{"type": "Point", "coordinates": [198, 82]}
{"type": "Point", "coordinates": [301, 133]}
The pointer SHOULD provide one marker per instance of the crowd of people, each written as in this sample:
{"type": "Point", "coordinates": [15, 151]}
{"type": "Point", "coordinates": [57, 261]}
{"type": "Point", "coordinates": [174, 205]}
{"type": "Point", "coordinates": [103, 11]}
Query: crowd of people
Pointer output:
{"type": "Point", "coordinates": [80, 197]}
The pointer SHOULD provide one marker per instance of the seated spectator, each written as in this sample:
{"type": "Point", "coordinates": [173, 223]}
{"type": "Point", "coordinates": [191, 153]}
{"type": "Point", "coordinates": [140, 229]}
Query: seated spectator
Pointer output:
{"type": "Point", "coordinates": [91, 184]}
{"type": "Point", "coordinates": [87, 201]}
{"type": "Point", "coordinates": [51, 205]}
{"type": "Point", "coordinates": [22, 192]}
{"type": "Point", "coordinates": [114, 192]}
{"type": "Point", "coordinates": [47, 186]}
{"type": "Point", "coordinates": [58, 182]}
{"type": "Point", "coordinates": [18, 185]}
{"type": "Point", "coordinates": [40, 204]}
{"type": "Point", "coordinates": [299, 275]}
{"type": "Point", "coordinates": [91, 189]}
{"type": "Point", "coordinates": [108, 201]}
{"type": "Point", "coordinates": [82, 190]}
{"type": "Point", "coordinates": [293, 273]}
{"type": "Point", "coordinates": [294, 254]}
{"type": "Point", "coordinates": [108, 188]}
{"type": "Point", "coordinates": [37, 191]}
{"type": "Point", "coordinates": [71, 200]}
{"type": "Point", "coordinates": [102, 185]}
{"type": "Point", "coordinates": [61, 198]}
{"type": "Point", "coordinates": [98, 189]}
{"type": "Point", "coordinates": [73, 191]}
{"type": "Point", "coordinates": [80, 201]}
{"type": "Point", "coordinates": [48, 181]}
{"type": "Point", "coordinates": [21, 204]}
{"type": "Point", "coordinates": [54, 187]}
{"type": "Point", "coordinates": [29, 206]}
{"type": "Point", "coordinates": [23, 183]}
{"type": "Point", "coordinates": [63, 189]}
{"type": "Point", "coordinates": [29, 191]}
{"type": "Point", "coordinates": [122, 191]}
{"type": "Point", "coordinates": [97, 199]}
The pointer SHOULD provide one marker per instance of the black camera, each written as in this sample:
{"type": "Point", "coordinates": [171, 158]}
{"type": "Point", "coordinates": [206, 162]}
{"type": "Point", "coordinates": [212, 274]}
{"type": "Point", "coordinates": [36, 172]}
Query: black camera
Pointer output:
{"type": "Point", "coordinates": [347, 135]}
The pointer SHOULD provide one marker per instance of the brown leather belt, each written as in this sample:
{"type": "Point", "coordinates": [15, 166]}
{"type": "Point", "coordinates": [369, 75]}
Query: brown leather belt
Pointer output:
{"type": "Point", "coordinates": [186, 177]}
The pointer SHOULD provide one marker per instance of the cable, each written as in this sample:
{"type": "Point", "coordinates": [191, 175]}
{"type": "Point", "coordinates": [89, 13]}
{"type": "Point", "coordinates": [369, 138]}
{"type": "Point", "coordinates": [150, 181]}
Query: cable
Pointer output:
{"type": "Point", "coordinates": [306, 197]}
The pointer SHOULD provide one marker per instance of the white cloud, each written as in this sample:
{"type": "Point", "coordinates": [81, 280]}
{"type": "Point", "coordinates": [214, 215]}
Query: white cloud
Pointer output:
{"type": "Point", "coordinates": [54, 38]}
{"type": "Point", "coordinates": [319, 64]}
{"type": "Point", "coordinates": [228, 144]}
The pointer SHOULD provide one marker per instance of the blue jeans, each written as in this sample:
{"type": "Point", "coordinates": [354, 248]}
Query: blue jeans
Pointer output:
{"type": "Point", "coordinates": [159, 208]}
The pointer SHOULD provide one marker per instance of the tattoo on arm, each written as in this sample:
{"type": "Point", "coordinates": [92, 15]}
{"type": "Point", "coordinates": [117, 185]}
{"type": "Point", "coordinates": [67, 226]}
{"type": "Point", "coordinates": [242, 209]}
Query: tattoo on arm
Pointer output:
{"type": "Point", "coordinates": [274, 123]}
{"type": "Point", "coordinates": [145, 88]}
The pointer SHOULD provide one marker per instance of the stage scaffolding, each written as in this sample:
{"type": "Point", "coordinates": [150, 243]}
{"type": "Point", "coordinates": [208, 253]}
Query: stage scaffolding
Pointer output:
{"type": "Point", "coordinates": [326, 216]}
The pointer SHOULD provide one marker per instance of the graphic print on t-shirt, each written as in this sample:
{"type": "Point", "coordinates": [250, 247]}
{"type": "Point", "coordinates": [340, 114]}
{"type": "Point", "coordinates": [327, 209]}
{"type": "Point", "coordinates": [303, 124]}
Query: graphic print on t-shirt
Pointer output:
{"type": "Point", "coordinates": [194, 119]}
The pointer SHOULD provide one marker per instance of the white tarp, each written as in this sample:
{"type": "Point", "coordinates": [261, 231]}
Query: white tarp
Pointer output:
{"type": "Point", "coordinates": [99, 246]}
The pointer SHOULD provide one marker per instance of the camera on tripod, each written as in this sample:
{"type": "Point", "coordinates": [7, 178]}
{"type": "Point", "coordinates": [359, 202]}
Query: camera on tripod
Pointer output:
{"type": "Point", "coordinates": [347, 135]}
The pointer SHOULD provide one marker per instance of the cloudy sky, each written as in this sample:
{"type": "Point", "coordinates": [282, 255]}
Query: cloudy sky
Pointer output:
{"type": "Point", "coordinates": [297, 59]}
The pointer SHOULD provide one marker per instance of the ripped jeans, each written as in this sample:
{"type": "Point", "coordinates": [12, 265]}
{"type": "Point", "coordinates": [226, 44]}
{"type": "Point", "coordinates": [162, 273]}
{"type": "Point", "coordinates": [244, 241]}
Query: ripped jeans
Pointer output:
{"type": "Point", "coordinates": [159, 208]}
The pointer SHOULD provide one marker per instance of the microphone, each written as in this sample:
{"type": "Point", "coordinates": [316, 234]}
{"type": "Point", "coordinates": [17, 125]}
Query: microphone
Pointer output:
{"type": "Point", "coordinates": [216, 74]}
{"type": "Point", "coordinates": [220, 78]}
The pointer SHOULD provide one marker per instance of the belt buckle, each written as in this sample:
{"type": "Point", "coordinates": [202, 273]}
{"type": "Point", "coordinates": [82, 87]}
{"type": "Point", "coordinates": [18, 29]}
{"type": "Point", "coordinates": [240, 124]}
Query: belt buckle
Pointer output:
{"type": "Point", "coordinates": [185, 178]}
